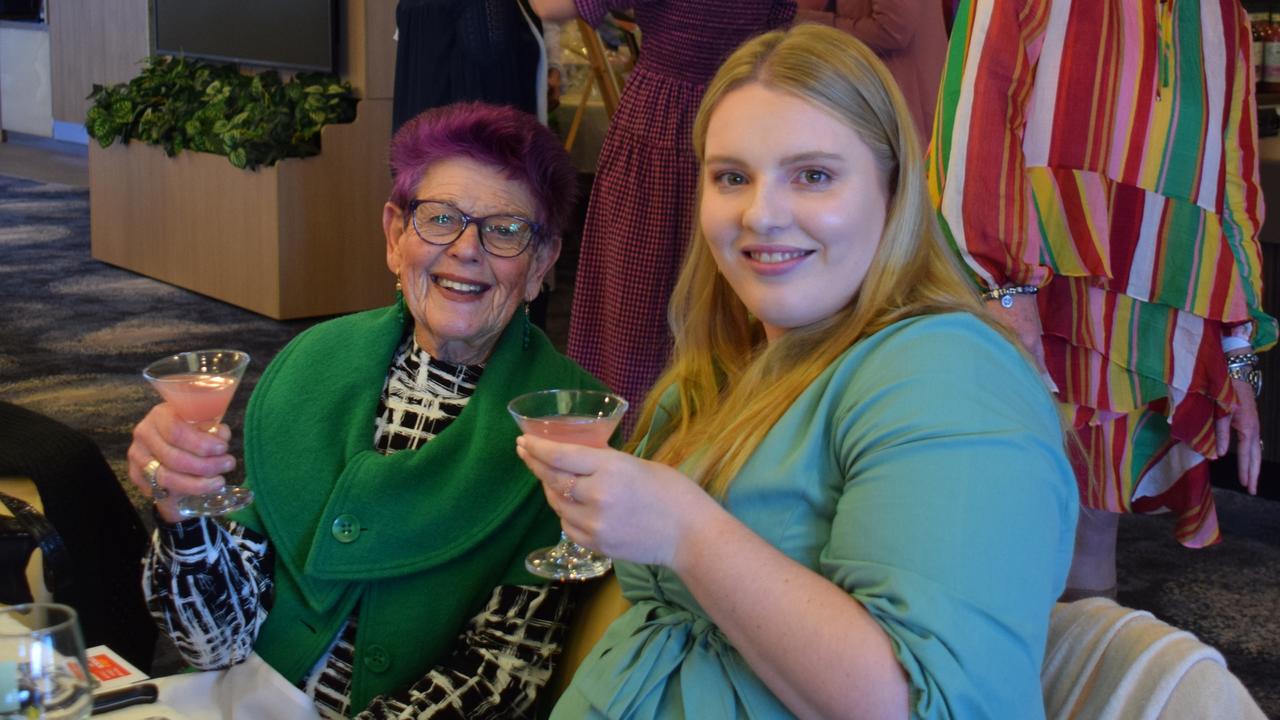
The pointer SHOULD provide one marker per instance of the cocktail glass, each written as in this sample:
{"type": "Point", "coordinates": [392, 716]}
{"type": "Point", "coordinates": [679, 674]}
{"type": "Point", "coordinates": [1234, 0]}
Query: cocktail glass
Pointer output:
{"type": "Point", "coordinates": [43, 673]}
{"type": "Point", "coordinates": [581, 417]}
{"type": "Point", "coordinates": [199, 385]}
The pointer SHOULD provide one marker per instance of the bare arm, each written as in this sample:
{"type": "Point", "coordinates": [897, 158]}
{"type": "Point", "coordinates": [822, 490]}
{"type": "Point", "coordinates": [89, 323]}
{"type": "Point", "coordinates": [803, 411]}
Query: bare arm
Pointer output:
{"type": "Point", "coordinates": [555, 10]}
{"type": "Point", "coordinates": [829, 659]}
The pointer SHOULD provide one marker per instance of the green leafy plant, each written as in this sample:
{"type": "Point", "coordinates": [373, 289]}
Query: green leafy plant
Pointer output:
{"type": "Point", "coordinates": [181, 104]}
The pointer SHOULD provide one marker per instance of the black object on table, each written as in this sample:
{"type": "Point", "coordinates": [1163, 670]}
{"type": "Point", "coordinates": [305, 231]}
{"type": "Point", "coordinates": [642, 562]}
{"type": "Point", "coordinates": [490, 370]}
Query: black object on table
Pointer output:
{"type": "Point", "coordinates": [140, 694]}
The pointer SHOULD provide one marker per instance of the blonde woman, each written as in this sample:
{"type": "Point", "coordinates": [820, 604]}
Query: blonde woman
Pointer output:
{"type": "Point", "coordinates": [851, 498]}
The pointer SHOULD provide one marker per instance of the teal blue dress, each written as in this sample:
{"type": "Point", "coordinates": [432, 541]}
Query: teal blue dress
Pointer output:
{"type": "Point", "coordinates": [924, 473]}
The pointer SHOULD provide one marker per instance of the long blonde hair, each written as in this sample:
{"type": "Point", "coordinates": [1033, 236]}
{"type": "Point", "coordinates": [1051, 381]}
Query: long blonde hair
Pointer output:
{"type": "Point", "coordinates": [730, 385]}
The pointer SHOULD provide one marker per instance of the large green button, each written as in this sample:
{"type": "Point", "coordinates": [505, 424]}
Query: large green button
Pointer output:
{"type": "Point", "coordinates": [346, 528]}
{"type": "Point", "coordinates": [377, 659]}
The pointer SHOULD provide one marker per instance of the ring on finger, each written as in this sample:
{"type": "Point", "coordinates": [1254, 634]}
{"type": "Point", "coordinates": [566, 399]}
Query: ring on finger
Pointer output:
{"type": "Point", "coordinates": [150, 471]}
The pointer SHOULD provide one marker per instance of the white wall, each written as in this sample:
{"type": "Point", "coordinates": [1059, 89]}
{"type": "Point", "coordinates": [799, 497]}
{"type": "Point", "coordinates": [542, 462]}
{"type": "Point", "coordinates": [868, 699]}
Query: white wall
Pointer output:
{"type": "Point", "coordinates": [27, 106]}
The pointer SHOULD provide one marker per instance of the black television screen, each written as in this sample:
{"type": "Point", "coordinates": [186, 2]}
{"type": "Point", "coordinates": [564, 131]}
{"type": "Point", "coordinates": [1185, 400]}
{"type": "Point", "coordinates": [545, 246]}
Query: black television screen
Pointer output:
{"type": "Point", "coordinates": [32, 10]}
{"type": "Point", "coordinates": [291, 34]}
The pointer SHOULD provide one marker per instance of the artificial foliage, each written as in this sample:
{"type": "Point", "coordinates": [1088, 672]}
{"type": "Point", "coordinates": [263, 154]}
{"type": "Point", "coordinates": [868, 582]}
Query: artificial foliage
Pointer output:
{"type": "Point", "coordinates": [183, 104]}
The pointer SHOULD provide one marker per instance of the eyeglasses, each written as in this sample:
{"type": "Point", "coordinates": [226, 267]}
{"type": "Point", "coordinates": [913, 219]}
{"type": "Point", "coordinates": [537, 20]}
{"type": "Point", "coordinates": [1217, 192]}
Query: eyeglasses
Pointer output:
{"type": "Point", "coordinates": [440, 223]}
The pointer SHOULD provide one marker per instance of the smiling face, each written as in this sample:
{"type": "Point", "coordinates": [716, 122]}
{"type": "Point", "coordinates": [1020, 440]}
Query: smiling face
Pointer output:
{"type": "Point", "coordinates": [793, 206]}
{"type": "Point", "coordinates": [460, 296]}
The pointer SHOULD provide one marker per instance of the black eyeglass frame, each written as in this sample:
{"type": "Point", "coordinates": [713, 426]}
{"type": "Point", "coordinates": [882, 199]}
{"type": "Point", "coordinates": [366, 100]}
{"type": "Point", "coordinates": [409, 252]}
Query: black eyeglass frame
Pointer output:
{"type": "Point", "coordinates": [467, 221]}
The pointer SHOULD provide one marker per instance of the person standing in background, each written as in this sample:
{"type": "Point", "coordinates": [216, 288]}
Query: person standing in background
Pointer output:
{"type": "Point", "coordinates": [491, 51]}
{"type": "Point", "coordinates": [453, 50]}
{"type": "Point", "coordinates": [639, 218]}
{"type": "Point", "coordinates": [1095, 165]}
{"type": "Point", "coordinates": [910, 36]}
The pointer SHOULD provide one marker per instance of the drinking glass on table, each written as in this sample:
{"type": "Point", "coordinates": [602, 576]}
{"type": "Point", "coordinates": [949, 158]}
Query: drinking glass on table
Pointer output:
{"type": "Point", "coordinates": [580, 417]}
{"type": "Point", "coordinates": [199, 386]}
{"type": "Point", "coordinates": [43, 673]}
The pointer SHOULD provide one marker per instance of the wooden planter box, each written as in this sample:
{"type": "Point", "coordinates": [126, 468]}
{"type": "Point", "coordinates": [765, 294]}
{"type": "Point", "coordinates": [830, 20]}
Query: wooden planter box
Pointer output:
{"type": "Point", "coordinates": [298, 239]}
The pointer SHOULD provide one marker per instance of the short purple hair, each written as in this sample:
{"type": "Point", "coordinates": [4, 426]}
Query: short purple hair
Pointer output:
{"type": "Point", "coordinates": [501, 136]}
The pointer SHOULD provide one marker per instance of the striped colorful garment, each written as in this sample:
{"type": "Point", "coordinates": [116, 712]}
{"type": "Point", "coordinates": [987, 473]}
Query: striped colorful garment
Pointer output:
{"type": "Point", "coordinates": [1106, 151]}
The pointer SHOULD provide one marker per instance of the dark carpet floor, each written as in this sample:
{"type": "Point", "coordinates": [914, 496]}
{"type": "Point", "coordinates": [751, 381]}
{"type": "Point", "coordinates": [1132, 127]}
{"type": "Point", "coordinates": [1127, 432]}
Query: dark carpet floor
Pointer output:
{"type": "Point", "coordinates": [75, 334]}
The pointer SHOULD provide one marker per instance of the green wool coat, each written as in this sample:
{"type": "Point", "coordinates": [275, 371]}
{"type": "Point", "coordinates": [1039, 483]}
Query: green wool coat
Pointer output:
{"type": "Point", "coordinates": [416, 540]}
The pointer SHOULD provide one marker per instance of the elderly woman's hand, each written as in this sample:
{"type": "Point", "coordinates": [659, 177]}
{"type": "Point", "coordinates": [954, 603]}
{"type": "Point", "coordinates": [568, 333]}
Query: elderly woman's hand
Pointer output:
{"type": "Point", "coordinates": [625, 507]}
{"type": "Point", "coordinates": [191, 462]}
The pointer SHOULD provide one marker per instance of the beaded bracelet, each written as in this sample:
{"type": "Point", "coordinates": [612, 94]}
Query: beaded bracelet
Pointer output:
{"type": "Point", "coordinates": [1005, 295]}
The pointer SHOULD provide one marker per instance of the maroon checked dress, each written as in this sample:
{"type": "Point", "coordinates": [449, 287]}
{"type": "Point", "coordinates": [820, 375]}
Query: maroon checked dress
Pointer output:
{"type": "Point", "coordinates": [641, 210]}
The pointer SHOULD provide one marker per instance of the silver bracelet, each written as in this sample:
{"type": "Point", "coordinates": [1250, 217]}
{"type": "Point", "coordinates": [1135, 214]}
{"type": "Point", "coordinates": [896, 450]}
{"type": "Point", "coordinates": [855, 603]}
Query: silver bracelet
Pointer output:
{"type": "Point", "coordinates": [1235, 361]}
{"type": "Point", "coordinates": [1005, 295]}
{"type": "Point", "coordinates": [1245, 367]}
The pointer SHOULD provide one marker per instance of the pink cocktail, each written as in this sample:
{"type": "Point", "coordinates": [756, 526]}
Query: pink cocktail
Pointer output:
{"type": "Point", "coordinates": [199, 385]}
{"type": "Point", "coordinates": [198, 398]}
{"type": "Point", "coordinates": [576, 429]}
{"type": "Point", "coordinates": [580, 417]}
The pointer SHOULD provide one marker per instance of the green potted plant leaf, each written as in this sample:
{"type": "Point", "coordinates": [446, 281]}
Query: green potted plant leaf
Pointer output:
{"type": "Point", "coordinates": [254, 120]}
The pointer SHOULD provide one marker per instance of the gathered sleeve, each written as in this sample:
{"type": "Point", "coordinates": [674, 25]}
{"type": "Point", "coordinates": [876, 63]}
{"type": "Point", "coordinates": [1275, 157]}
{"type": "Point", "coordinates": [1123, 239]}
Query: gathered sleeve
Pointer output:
{"type": "Point", "coordinates": [208, 586]}
{"type": "Point", "coordinates": [1243, 209]}
{"type": "Point", "coordinates": [956, 523]}
{"type": "Point", "coordinates": [977, 170]}
{"type": "Point", "coordinates": [885, 26]}
{"type": "Point", "coordinates": [498, 666]}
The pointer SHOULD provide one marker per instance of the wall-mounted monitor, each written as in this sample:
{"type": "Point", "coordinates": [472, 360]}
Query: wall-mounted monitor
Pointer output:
{"type": "Point", "coordinates": [287, 34]}
{"type": "Point", "coordinates": [28, 10]}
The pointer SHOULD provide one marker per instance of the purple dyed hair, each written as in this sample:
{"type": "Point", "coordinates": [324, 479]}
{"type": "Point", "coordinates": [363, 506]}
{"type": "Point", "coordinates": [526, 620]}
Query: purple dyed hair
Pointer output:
{"type": "Point", "coordinates": [506, 138]}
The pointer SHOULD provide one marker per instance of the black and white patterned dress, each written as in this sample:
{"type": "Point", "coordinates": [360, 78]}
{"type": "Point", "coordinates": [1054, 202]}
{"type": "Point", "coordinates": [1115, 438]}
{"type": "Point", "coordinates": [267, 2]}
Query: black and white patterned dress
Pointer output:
{"type": "Point", "coordinates": [209, 586]}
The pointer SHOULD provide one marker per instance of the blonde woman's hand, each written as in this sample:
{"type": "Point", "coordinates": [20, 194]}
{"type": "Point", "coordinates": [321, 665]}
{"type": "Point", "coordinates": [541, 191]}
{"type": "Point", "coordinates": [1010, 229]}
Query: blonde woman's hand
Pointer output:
{"type": "Point", "coordinates": [191, 462]}
{"type": "Point", "coordinates": [612, 502]}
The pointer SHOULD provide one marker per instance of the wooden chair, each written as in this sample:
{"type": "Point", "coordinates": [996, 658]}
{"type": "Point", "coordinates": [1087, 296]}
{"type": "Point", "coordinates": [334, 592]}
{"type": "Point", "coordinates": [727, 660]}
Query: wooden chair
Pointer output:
{"type": "Point", "coordinates": [602, 76]}
{"type": "Point", "coordinates": [600, 603]}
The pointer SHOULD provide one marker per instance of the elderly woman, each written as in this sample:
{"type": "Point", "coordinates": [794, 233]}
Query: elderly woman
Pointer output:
{"type": "Point", "coordinates": [380, 451]}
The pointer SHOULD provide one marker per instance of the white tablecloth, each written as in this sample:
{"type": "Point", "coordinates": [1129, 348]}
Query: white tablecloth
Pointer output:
{"type": "Point", "coordinates": [252, 690]}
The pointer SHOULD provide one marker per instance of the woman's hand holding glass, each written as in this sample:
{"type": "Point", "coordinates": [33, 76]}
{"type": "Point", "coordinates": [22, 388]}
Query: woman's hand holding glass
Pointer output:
{"type": "Point", "coordinates": [612, 502]}
{"type": "Point", "coordinates": [191, 461]}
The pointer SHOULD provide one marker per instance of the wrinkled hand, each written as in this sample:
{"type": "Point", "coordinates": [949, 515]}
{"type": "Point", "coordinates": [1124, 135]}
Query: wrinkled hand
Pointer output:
{"type": "Point", "coordinates": [1024, 320]}
{"type": "Point", "coordinates": [192, 462]}
{"type": "Point", "coordinates": [1244, 419]}
{"type": "Point", "coordinates": [612, 502]}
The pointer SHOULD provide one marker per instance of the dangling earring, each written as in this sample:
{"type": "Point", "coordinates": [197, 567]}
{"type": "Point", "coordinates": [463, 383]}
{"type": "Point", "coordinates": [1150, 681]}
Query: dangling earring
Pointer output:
{"type": "Point", "coordinates": [399, 287]}
{"type": "Point", "coordinates": [525, 340]}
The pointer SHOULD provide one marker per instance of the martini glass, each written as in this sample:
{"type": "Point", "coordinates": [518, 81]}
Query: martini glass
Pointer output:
{"type": "Point", "coordinates": [580, 417]}
{"type": "Point", "coordinates": [199, 385]}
